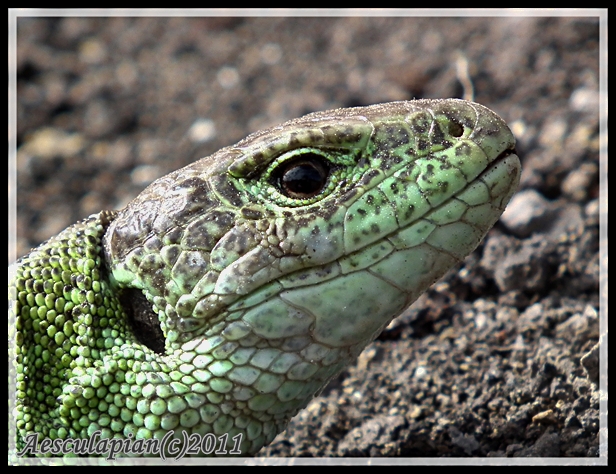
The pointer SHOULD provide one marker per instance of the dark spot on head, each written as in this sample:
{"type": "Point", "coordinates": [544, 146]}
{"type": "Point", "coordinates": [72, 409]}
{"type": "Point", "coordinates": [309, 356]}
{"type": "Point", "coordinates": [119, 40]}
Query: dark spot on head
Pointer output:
{"type": "Point", "coordinates": [420, 123]}
{"type": "Point", "coordinates": [335, 135]}
{"type": "Point", "coordinates": [463, 150]}
{"type": "Point", "coordinates": [393, 160]}
{"type": "Point", "coordinates": [304, 221]}
{"type": "Point", "coordinates": [349, 195]}
{"type": "Point", "coordinates": [331, 226]}
{"type": "Point", "coordinates": [294, 142]}
{"type": "Point", "coordinates": [445, 164]}
{"type": "Point", "coordinates": [247, 165]}
{"type": "Point", "coordinates": [199, 190]}
{"type": "Point", "coordinates": [437, 136]}
{"type": "Point", "coordinates": [153, 244]}
{"type": "Point", "coordinates": [170, 254]}
{"type": "Point", "coordinates": [361, 211]}
{"type": "Point", "coordinates": [375, 229]}
{"type": "Point", "coordinates": [224, 188]}
{"type": "Point", "coordinates": [369, 176]}
{"type": "Point", "coordinates": [252, 214]}
{"type": "Point", "coordinates": [174, 236]}
{"type": "Point", "coordinates": [409, 212]}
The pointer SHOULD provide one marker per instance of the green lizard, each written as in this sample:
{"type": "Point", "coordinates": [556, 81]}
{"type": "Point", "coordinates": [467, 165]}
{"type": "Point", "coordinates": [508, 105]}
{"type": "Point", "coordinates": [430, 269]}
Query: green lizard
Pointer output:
{"type": "Point", "coordinates": [226, 295]}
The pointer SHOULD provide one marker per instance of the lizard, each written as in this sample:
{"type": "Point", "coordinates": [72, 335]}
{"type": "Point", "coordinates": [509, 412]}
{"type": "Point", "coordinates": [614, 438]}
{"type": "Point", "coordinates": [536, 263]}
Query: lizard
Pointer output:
{"type": "Point", "coordinates": [225, 296]}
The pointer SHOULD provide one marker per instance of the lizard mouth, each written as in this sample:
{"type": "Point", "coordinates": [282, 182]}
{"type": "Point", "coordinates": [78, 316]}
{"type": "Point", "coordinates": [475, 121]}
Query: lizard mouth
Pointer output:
{"type": "Point", "coordinates": [508, 152]}
{"type": "Point", "coordinates": [509, 159]}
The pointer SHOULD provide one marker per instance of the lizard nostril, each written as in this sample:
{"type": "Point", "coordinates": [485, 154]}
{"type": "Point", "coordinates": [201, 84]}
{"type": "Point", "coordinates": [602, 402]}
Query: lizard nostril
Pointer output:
{"type": "Point", "coordinates": [456, 129]}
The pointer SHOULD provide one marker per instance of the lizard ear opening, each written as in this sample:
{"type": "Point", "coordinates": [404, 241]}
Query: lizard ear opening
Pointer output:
{"type": "Point", "coordinates": [143, 321]}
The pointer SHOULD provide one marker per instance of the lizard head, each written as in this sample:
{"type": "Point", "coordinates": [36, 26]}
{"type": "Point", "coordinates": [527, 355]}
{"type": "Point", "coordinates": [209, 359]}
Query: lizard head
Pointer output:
{"type": "Point", "coordinates": [324, 227]}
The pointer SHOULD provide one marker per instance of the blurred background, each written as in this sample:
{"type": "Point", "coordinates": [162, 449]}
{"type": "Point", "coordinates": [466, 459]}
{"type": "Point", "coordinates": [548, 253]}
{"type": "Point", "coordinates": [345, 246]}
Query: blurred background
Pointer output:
{"type": "Point", "coordinates": [107, 105]}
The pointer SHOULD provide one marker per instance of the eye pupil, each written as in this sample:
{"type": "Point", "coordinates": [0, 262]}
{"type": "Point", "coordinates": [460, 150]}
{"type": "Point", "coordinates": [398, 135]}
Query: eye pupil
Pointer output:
{"type": "Point", "coordinates": [303, 177]}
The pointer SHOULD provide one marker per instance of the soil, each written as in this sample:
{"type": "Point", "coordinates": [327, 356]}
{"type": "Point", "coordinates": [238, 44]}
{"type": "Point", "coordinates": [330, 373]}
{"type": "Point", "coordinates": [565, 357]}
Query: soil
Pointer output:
{"type": "Point", "coordinates": [500, 357]}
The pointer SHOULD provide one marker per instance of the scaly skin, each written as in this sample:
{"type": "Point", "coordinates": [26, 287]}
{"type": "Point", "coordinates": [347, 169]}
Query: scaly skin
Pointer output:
{"type": "Point", "coordinates": [269, 266]}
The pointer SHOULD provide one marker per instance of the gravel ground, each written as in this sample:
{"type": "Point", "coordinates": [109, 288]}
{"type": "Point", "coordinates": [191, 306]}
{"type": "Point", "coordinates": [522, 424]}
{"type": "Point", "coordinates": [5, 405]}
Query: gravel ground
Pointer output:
{"type": "Point", "coordinates": [498, 359]}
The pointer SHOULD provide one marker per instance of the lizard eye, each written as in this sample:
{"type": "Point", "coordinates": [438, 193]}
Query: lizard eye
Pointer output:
{"type": "Point", "coordinates": [303, 177]}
